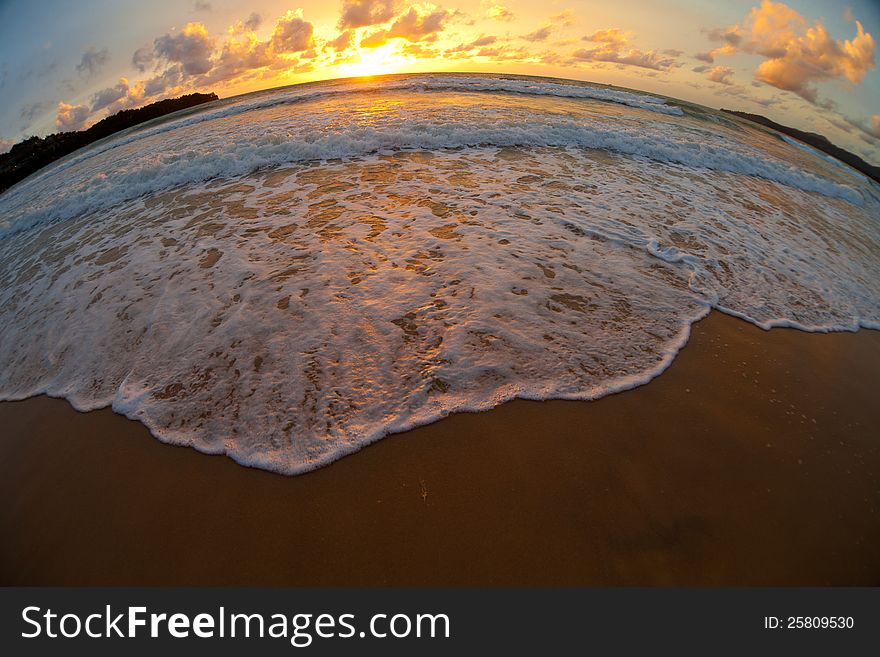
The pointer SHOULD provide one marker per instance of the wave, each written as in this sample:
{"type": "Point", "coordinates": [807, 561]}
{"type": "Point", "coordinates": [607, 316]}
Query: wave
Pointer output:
{"type": "Point", "coordinates": [216, 154]}
{"type": "Point", "coordinates": [310, 91]}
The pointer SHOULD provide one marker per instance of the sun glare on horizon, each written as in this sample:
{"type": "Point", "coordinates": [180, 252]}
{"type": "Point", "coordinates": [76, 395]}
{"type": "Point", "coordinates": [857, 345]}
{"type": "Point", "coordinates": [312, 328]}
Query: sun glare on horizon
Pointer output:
{"type": "Point", "coordinates": [384, 60]}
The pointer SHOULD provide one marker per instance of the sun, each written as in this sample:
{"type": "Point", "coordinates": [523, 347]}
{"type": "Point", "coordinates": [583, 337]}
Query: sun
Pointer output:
{"type": "Point", "coordinates": [375, 61]}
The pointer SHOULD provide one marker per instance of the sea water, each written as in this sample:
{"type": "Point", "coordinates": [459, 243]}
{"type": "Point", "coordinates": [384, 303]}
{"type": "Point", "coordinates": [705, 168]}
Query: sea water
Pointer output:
{"type": "Point", "coordinates": [286, 276]}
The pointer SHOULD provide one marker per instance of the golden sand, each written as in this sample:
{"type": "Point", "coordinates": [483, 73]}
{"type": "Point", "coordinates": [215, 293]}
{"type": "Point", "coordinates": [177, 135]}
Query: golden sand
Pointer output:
{"type": "Point", "coordinates": [753, 460]}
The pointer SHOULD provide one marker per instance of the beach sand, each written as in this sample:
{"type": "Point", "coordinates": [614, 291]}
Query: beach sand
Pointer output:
{"type": "Point", "coordinates": [753, 460]}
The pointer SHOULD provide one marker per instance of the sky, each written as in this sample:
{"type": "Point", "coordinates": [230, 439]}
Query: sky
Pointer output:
{"type": "Point", "coordinates": [806, 63]}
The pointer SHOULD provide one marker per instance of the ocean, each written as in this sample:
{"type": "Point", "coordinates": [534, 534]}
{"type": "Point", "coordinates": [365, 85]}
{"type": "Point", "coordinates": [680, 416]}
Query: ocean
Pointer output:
{"type": "Point", "coordinates": [287, 276]}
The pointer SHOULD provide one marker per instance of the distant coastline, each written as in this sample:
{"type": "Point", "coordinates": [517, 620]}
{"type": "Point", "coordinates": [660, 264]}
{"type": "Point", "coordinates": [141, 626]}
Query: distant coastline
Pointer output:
{"type": "Point", "coordinates": [32, 154]}
{"type": "Point", "coordinates": [817, 141]}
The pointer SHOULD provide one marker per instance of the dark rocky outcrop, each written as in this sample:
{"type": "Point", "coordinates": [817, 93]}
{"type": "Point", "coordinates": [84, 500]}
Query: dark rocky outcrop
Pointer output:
{"type": "Point", "coordinates": [32, 154]}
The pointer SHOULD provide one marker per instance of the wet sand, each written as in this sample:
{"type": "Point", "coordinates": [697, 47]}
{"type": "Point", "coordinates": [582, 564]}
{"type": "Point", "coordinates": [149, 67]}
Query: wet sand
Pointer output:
{"type": "Point", "coordinates": [754, 459]}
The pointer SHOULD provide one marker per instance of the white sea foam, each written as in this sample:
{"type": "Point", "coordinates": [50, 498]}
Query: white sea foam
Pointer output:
{"type": "Point", "coordinates": [286, 285]}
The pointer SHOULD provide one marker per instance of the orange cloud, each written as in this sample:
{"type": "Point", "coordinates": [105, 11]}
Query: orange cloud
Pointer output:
{"type": "Point", "coordinates": [541, 34]}
{"type": "Point", "coordinates": [615, 47]}
{"type": "Point", "coordinates": [191, 48]}
{"type": "Point", "coordinates": [374, 40]}
{"type": "Point", "coordinates": [291, 34]}
{"type": "Point", "coordinates": [191, 59]}
{"type": "Point", "coordinates": [721, 75]}
{"type": "Point", "coordinates": [70, 117]}
{"type": "Point", "coordinates": [239, 54]}
{"type": "Point", "coordinates": [499, 12]}
{"type": "Point", "coordinates": [248, 25]}
{"type": "Point", "coordinates": [612, 35]}
{"type": "Point", "coordinates": [797, 55]}
{"type": "Point", "coordinates": [166, 82]}
{"type": "Point", "coordinates": [362, 13]}
{"type": "Point", "coordinates": [117, 95]}
{"type": "Point", "coordinates": [343, 41]}
{"type": "Point", "coordinates": [415, 26]}
{"type": "Point", "coordinates": [480, 42]}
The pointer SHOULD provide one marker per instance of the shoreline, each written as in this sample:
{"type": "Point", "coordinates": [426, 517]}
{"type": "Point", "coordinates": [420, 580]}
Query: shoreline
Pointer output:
{"type": "Point", "coordinates": [749, 461]}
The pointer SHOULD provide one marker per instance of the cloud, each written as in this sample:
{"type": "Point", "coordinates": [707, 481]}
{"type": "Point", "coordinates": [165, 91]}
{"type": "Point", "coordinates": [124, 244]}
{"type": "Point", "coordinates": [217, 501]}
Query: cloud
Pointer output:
{"type": "Point", "coordinates": [611, 35]}
{"type": "Point", "coordinates": [343, 41]}
{"type": "Point", "coordinates": [480, 42]}
{"type": "Point", "coordinates": [797, 55]}
{"type": "Point", "coordinates": [415, 26]}
{"type": "Point", "coordinates": [191, 48]}
{"type": "Point", "coordinates": [5, 145]}
{"type": "Point", "coordinates": [200, 5]}
{"type": "Point", "coordinates": [362, 13]}
{"type": "Point", "coordinates": [108, 96]}
{"type": "Point", "coordinates": [730, 35]}
{"type": "Point", "coordinates": [39, 67]}
{"type": "Point", "coordinates": [250, 24]}
{"type": "Point", "coordinates": [70, 117]}
{"type": "Point", "coordinates": [740, 92]}
{"type": "Point", "coordinates": [493, 49]}
{"type": "Point", "coordinates": [243, 54]}
{"type": "Point", "coordinates": [169, 79]}
{"type": "Point", "coordinates": [483, 41]}
{"type": "Point", "coordinates": [292, 34]}
{"type": "Point", "coordinates": [541, 34]}
{"type": "Point", "coordinates": [119, 96]}
{"type": "Point", "coordinates": [565, 18]}
{"type": "Point", "coordinates": [839, 123]}
{"type": "Point", "coordinates": [32, 110]}
{"type": "Point", "coordinates": [253, 21]}
{"type": "Point", "coordinates": [92, 61]}
{"type": "Point", "coordinates": [239, 54]}
{"type": "Point", "coordinates": [869, 129]}
{"type": "Point", "coordinates": [614, 47]}
{"type": "Point", "coordinates": [142, 58]}
{"type": "Point", "coordinates": [702, 68]}
{"type": "Point", "coordinates": [374, 40]}
{"type": "Point", "coordinates": [707, 57]}
{"type": "Point", "coordinates": [499, 13]}
{"type": "Point", "coordinates": [418, 50]}
{"type": "Point", "coordinates": [192, 59]}
{"type": "Point", "coordinates": [721, 75]}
